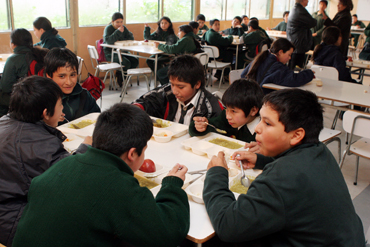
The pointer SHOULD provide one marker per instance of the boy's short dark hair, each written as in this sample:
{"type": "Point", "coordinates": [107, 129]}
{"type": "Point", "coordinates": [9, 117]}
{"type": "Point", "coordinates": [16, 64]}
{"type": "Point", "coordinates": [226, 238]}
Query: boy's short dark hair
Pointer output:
{"type": "Point", "coordinates": [187, 68]}
{"type": "Point", "coordinates": [238, 18]}
{"type": "Point", "coordinates": [256, 19]}
{"type": "Point", "coordinates": [243, 16]}
{"type": "Point", "coordinates": [298, 109]}
{"type": "Point", "coordinates": [59, 57]}
{"type": "Point", "coordinates": [324, 1]}
{"type": "Point", "coordinates": [201, 17]}
{"type": "Point", "coordinates": [243, 94]}
{"type": "Point", "coordinates": [211, 22]}
{"type": "Point", "coordinates": [194, 24]}
{"type": "Point", "coordinates": [253, 24]}
{"type": "Point", "coordinates": [122, 127]}
{"type": "Point", "coordinates": [354, 15]}
{"type": "Point", "coordinates": [31, 96]}
{"type": "Point", "coordinates": [285, 13]}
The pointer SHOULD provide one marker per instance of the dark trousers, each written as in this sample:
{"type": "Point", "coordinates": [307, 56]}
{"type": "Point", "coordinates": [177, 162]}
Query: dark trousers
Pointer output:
{"type": "Point", "coordinates": [298, 59]}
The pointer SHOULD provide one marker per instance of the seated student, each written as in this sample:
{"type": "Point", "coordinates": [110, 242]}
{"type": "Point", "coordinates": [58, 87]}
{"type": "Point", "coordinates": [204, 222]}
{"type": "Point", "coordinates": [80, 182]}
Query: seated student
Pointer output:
{"type": "Point", "coordinates": [201, 19]}
{"type": "Point", "coordinates": [30, 144]}
{"type": "Point", "coordinates": [300, 198]}
{"type": "Point", "coordinates": [236, 27]}
{"type": "Point", "coordinates": [47, 34]}
{"type": "Point", "coordinates": [195, 26]}
{"type": "Point", "coordinates": [358, 24]}
{"type": "Point", "coordinates": [365, 53]}
{"type": "Point", "coordinates": [242, 99]}
{"type": "Point", "coordinates": [18, 65]}
{"type": "Point", "coordinates": [258, 24]}
{"type": "Point", "coordinates": [186, 44]}
{"type": "Point", "coordinates": [61, 66]}
{"type": "Point", "coordinates": [328, 53]}
{"type": "Point", "coordinates": [184, 97]}
{"type": "Point", "coordinates": [270, 67]}
{"type": "Point", "coordinates": [93, 199]}
{"type": "Point", "coordinates": [164, 32]}
{"type": "Point", "coordinates": [282, 25]}
{"type": "Point", "coordinates": [245, 22]}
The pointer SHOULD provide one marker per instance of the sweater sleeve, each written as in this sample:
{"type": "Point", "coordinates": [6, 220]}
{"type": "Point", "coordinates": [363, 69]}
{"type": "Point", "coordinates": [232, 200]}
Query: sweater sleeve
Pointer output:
{"type": "Point", "coordinates": [111, 35]}
{"type": "Point", "coordinates": [153, 102]}
{"type": "Point", "coordinates": [149, 36]}
{"type": "Point", "coordinates": [367, 30]}
{"type": "Point", "coordinates": [219, 122]}
{"type": "Point", "coordinates": [177, 48]}
{"type": "Point", "coordinates": [283, 76]}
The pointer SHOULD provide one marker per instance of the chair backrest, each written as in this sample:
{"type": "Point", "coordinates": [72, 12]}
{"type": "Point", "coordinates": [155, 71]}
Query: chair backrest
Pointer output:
{"type": "Point", "coordinates": [203, 58]}
{"type": "Point", "coordinates": [212, 51]}
{"type": "Point", "coordinates": [80, 63]}
{"type": "Point", "coordinates": [325, 72]}
{"type": "Point", "coordinates": [357, 122]}
{"type": "Point", "coordinates": [93, 55]}
{"type": "Point", "coordinates": [235, 75]}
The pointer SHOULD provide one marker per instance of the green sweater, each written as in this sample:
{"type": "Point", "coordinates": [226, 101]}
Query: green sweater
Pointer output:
{"type": "Point", "coordinates": [50, 40]}
{"type": "Point", "coordinates": [281, 26]}
{"type": "Point", "coordinates": [203, 28]}
{"type": "Point", "coordinates": [221, 122]}
{"type": "Point", "coordinates": [184, 45]}
{"type": "Point", "coordinates": [319, 28]}
{"type": "Point", "coordinates": [234, 31]}
{"type": "Point", "coordinates": [367, 33]}
{"type": "Point", "coordinates": [359, 23]}
{"type": "Point", "coordinates": [214, 38]}
{"type": "Point", "coordinates": [155, 36]}
{"type": "Point", "coordinates": [112, 35]}
{"type": "Point", "coordinates": [251, 40]}
{"type": "Point", "coordinates": [300, 199]}
{"type": "Point", "coordinates": [93, 199]}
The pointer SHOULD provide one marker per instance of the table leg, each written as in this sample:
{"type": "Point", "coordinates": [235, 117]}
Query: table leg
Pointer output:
{"type": "Point", "coordinates": [155, 70]}
{"type": "Point", "coordinates": [236, 57]}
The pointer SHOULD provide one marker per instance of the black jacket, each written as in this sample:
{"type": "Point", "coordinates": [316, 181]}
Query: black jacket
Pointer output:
{"type": "Point", "coordinates": [298, 28]}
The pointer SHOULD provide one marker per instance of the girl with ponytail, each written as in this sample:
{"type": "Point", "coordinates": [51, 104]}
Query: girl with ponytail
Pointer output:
{"type": "Point", "coordinates": [47, 34]}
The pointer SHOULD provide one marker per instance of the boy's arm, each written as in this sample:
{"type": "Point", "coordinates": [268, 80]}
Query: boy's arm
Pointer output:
{"type": "Point", "coordinates": [219, 122]}
{"type": "Point", "coordinates": [278, 26]}
{"type": "Point", "coordinates": [147, 34]}
{"type": "Point", "coordinates": [37, 44]}
{"type": "Point", "coordinates": [179, 47]}
{"type": "Point", "coordinates": [217, 40]}
{"type": "Point", "coordinates": [153, 102]}
{"type": "Point", "coordinates": [111, 35]}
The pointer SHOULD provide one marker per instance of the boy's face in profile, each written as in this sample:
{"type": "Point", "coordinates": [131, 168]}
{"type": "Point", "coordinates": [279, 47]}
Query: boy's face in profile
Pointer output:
{"type": "Point", "coordinates": [201, 23]}
{"type": "Point", "coordinates": [183, 90]}
{"type": "Point", "coordinates": [270, 133]}
{"type": "Point", "coordinates": [216, 26]}
{"type": "Point", "coordinates": [66, 78]}
{"type": "Point", "coordinates": [236, 116]}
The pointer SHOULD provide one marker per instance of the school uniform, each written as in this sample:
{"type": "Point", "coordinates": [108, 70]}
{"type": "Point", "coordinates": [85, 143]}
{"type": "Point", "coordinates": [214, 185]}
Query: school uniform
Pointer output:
{"type": "Point", "coordinates": [281, 26]}
{"type": "Point", "coordinates": [245, 27]}
{"type": "Point", "coordinates": [300, 199]}
{"type": "Point", "coordinates": [112, 35]}
{"type": "Point", "coordinates": [251, 41]}
{"type": "Point", "coordinates": [162, 103]}
{"type": "Point", "coordinates": [244, 133]}
{"type": "Point", "coordinates": [202, 28]}
{"type": "Point", "coordinates": [356, 36]}
{"type": "Point", "coordinates": [215, 39]}
{"type": "Point", "coordinates": [93, 199]}
{"type": "Point", "coordinates": [234, 31]}
{"type": "Point", "coordinates": [319, 28]}
{"type": "Point", "coordinates": [50, 40]}
{"type": "Point", "coordinates": [365, 53]}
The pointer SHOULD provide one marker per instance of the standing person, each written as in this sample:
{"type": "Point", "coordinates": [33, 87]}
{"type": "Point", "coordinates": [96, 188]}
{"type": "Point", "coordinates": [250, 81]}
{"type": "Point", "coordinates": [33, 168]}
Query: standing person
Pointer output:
{"type": "Point", "coordinates": [319, 28]}
{"type": "Point", "coordinates": [282, 25]}
{"type": "Point", "coordinates": [358, 24]}
{"type": "Point", "coordinates": [47, 34]}
{"type": "Point", "coordinates": [342, 20]}
{"type": "Point", "coordinates": [299, 33]}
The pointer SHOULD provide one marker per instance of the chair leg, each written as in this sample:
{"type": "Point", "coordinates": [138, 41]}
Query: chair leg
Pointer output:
{"type": "Point", "coordinates": [357, 163]}
{"type": "Point", "coordinates": [335, 119]}
{"type": "Point", "coordinates": [147, 82]}
{"type": "Point", "coordinates": [138, 83]}
{"type": "Point", "coordinates": [124, 88]}
{"type": "Point", "coordinates": [221, 79]}
{"type": "Point", "coordinates": [342, 160]}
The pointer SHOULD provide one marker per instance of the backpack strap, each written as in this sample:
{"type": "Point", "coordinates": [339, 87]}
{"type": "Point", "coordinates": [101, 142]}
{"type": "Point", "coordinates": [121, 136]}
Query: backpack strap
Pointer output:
{"type": "Point", "coordinates": [82, 103]}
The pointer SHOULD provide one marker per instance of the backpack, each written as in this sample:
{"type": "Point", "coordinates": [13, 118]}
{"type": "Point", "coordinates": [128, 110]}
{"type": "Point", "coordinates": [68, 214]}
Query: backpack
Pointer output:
{"type": "Point", "coordinates": [94, 85]}
{"type": "Point", "coordinates": [100, 50]}
{"type": "Point", "coordinates": [35, 68]}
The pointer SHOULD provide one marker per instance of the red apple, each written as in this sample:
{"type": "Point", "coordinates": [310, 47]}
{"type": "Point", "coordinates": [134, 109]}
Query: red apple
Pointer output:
{"type": "Point", "coordinates": [148, 166]}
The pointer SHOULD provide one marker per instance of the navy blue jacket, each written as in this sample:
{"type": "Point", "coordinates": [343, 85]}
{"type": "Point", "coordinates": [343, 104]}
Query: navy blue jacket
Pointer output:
{"type": "Point", "coordinates": [331, 55]}
{"type": "Point", "coordinates": [279, 74]}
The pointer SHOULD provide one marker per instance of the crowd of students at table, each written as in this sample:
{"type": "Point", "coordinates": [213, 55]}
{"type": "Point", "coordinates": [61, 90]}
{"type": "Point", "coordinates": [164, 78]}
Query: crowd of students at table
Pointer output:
{"type": "Point", "coordinates": [90, 197]}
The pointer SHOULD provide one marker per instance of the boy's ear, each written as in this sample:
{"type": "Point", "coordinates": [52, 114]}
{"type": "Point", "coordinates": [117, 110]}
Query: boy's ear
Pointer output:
{"type": "Point", "coordinates": [197, 86]}
{"type": "Point", "coordinates": [253, 112]}
{"type": "Point", "coordinates": [48, 76]}
{"type": "Point", "coordinates": [45, 114]}
{"type": "Point", "coordinates": [297, 137]}
{"type": "Point", "coordinates": [131, 155]}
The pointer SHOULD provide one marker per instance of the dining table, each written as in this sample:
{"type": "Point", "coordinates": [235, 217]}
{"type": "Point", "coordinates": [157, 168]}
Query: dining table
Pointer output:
{"type": "Point", "coordinates": [3, 58]}
{"type": "Point", "coordinates": [360, 67]}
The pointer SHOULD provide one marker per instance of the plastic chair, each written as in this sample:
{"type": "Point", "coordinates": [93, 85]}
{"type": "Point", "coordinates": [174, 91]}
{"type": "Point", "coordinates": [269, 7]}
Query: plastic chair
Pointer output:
{"type": "Point", "coordinates": [203, 58]}
{"type": "Point", "coordinates": [136, 72]}
{"type": "Point", "coordinates": [328, 136]}
{"type": "Point", "coordinates": [235, 75]}
{"type": "Point", "coordinates": [357, 123]}
{"type": "Point", "coordinates": [213, 53]}
{"type": "Point", "coordinates": [79, 72]}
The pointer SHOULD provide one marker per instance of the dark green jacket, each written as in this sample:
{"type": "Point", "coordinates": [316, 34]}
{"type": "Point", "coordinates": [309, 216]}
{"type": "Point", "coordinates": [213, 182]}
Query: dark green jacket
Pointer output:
{"type": "Point", "coordinates": [184, 45]}
{"type": "Point", "coordinates": [112, 35]}
{"type": "Point", "coordinates": [155, 36]}
{"type": "Point", "coordinates": [221, 122]}
{"type": "Point", "coordinates": [234, 31]}
{"type": "Point", "coordinates": [73, 101]}
{"type": "Point", "coordinates": [319, 28]}
{"type": "Point", "coordinates": [281, 26]}
{"type": "Point", "coordinates": [300, 199]}
{"type": "Point", "coordinates": [203, 28]}
{"type": "Point", "coordinates": [49, 40]}
{"type": "Point", "coordinates": [93, 199]}
{"type": "Point", "coordinates": [245, 27]}
{"type": "Point", "coordinates": [367, 33]}
{"type": "Point", "coordinates": [251, 41]}
{"type": "Point", "coordinates": [215, 39]}
{"type": "Point", "coordinates": [359, 23]}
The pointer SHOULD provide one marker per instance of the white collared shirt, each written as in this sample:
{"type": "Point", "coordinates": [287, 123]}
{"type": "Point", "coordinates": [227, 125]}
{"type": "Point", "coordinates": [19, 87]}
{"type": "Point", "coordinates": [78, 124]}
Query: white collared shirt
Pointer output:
{"type": "Point", "coordinates": [189, 113]}
{"type": "Point", "coordinates": [252, 125]}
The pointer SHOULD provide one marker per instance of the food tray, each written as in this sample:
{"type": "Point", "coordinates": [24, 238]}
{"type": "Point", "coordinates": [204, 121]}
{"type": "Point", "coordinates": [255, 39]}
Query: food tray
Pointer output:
{"type": "Point", "coordinates": [72, 142]}
{"type": "Point", "coordinates": [177, 129]}
{"type": "Point", "coordinates": [86, 131]}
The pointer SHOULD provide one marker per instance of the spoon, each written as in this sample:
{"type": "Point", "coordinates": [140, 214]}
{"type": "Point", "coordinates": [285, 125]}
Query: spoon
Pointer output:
{"type": "Point", "coordinates": [218, 130]}
{"type": "Point", "coordinates": [74, 126]}
{"type": "Point", "coordinates": [243, 180]}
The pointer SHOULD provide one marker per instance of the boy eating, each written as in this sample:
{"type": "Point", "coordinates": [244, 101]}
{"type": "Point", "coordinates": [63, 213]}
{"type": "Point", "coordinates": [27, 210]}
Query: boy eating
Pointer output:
{"type": "Point", "coordinates": [201, 19]}
{"type": "Point", "coordinates": [184, 96]}
{"type": "Point", "coordinates": [242, 99]}
{"type": "Point", "coordinates": [300, 198]}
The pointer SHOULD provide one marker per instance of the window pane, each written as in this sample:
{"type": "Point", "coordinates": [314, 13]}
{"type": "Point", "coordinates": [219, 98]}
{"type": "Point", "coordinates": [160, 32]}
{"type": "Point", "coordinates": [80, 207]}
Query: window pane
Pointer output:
{"type": "Point", "coordinates": [211, 9]}
{"type": "Point", "coordinates": [311, 7]}
{"type": "Point", "coordinates": [25, 12]}
{"type": "Point", "coordinates": [3, 16]}
{"type": "Point", "coordinates": [280, 6]}
{"type": "Point", "coordinates": [235, 8]}
{"type": "Point", "coordinates": [96, 12]}
{"type": "Point", "coordinates": [178, 10]}
{"type": "Point", "coordinates": [142, 11]}
{"type": "Point", "coordinates": [260, 9]}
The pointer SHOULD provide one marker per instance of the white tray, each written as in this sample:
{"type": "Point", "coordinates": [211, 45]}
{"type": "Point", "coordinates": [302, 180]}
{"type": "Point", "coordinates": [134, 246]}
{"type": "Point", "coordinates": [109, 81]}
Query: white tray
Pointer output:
{"type": "Point", "coordinates": [72, 142]}
{"type": "Point", "coordinates": [176, 128]}
{"type": "Point", "coordinates": [86, 131]}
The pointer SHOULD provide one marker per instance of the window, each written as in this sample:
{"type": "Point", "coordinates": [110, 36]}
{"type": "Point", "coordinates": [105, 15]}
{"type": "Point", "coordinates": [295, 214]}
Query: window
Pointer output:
{"type": "Point", "coordinates": [260, 9]}
{"type": "Point", "coordinates": [25, 12]}
{"type": "Point", "coordinates": [211, 9]}
{"type": "Point", "coordinates": [312, 6]}
{"type": "Point", "coordinates": [4, 24]}
{"type": "Point", "coordinates": [280, 6]}
{"type": "Point", "coordinates": [236, 8]}
{"type": "Point", "coordinates": [97, 12]}
{"type": "Point", "coordinates": [142, 11]}
{"type": "Point", "coordinates": [178, 10]}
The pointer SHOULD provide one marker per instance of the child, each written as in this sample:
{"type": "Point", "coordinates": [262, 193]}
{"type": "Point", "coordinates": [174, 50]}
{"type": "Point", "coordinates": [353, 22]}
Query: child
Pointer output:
{"type": "Point", "coordinates": [319, 28]}
{"type": "Point", "coordinates": [116, 31]}
{"type": "Point", "coordinates": [328, 53]}
{"type": "Point", "coordinates": [245, 22]}
{"type": "Point", "coordinates": [186, 44]}
{"type": "Point", "coordinates": [61, 66]}
{"type": "Point", "coordinates": [300, 197]}
{"type": "Point", "coordinates": [258, 24]}
{"type": "Point", "coordinates": [184, 97]}
{"type": "Point", "coordinates": [93, 199]}
{"type": "Point", "coordinates": [47, 34]}
{"type": "Point", "coordinates": [358, 24]}
{"type": "Point", "coordinates": [18, 64]}
{"type": "Point", "coordinates": [236, 28]}
{"type": "Point", "coordinates": [365, 53]}
{"type": "Point", "coordinates": [282, 25]}
{"type": "Point", "coordinates": [30, 144]}
{"type": "Point", "coordinates": [270, 67]}
{"type": "Point", "coordinates": [201, 19]}
{"type": "Point", "coordinates": [242, 99]}
{"type": "Point", "coordinates": [195, 26]}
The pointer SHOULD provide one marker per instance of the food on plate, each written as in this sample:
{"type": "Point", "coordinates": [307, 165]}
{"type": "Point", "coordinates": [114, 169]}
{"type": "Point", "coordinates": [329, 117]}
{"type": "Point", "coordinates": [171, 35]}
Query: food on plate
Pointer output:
{"type": "Point", "coordinates": [148, 166]}
{"type": "Point", "coordinates": [233, 172]}
{"type": "Point", "coordinates": [239, 188]}
{"type": "Point", "coordinates": [161, 134]}
{"type": "Point", "coordinates": [159, 123]}
{"type": "Point", "coordinates": [143, 182]}
{"type": "Point", "coordinates": [226, 143]}
{"type": "Point", "coordinates": [82, 124]}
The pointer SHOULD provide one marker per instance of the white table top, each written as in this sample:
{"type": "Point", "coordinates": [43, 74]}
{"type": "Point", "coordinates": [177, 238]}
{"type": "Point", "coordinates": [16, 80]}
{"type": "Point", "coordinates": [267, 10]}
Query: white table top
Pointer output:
{"type": "Point", "coordinates": [148, 49]}
{"type": "Point", "coordinates": [362, 64]}
{"type": "Point", "coordinates": [3, 58]}
{"type": "Point", "coordinates": [276, 34]}
{"type": "Point", "coordinates": [341, 91]}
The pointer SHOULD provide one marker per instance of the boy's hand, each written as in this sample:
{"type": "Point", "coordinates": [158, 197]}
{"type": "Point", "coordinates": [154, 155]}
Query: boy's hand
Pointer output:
{"type": "Point", "coordinates": [156, 44]}
{"type": "Point", "coordinates": [178, 171]}
{"type": "Point", "coordinates": [247, 158]}
{"type": "Point", "coordinates": [218, 160]}
{"type": "Point", "coordinates": [200, 123]}
{"type": "Point", "coordinates": [253, 147]}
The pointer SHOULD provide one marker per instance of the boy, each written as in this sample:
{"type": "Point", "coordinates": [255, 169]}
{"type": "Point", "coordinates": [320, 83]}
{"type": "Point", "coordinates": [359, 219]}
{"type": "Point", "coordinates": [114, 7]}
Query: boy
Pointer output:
{"type": "Point", "coordinates": [61, 66]}
{"type": "Point", "coordinates": [195, 26]}
{"type": "Point", "coordinates": [319, 28]}
{"type": "Point", "coordinates": [184, 96]}
{"type": "Point", "coordinates": [94, 199]}
{"type": "Point", "coordinates": [300, 198]}
{"type": "Point", "coordinates": [242, 99]}
{"type": "Point", "coordinates": [245, 19]}
{"type": "Point", "coordinates": [258, 24]}
{"type": "Point", "coordinates": [201, 19]}
{"type": "Point", "coordinates": [236, 28]}
{"type": "Point", "coordinates": [282, 25]}
{"type": "Point", "coordinates": [358, 24]}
